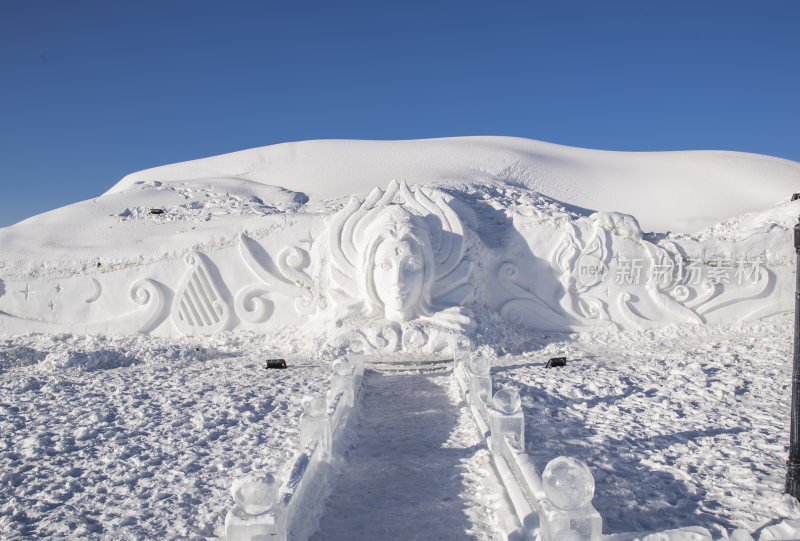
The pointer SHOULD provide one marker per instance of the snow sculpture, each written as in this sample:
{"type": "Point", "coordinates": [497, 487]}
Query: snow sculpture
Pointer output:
{"type": "Point", "coordinates": [146, 293]}
{"type": "Point", "coordinates": [399, 266]}
{"type": "Point", "coordinates": [668, 282]}
{"type": "Point", "coordinates": [198, 307]}
{"type": "Point", "coordinates": [71, 305]}
{"type": "Point", "coordinates": [397, 262]}
{"type": "Point", "coordinates": [461, 351]}
{"type": "Point", "coordinates": [507, 401]}
{"type": "Point", "coordinates": [480, 382]}
{"type": "Point", "coordinates": [250, 518]}
{"type": "Point", "coordinates": [567, 512]}
{"type": "Point", "coordinates": [396, 272]}
{"type": "Point", "coordinates": [255, 493]}
{"type": "Point", "coordinates": [343, 381]}
{"type": "Point", "coordinates": [286, 277]}
{"type": "Point", "coordinates": [600, 271]}
{"type": "Point", "coordinates": [577, 307]}
{"type": "Point", "coordinates": [479, 366]}
{"type": "Point", "coordinates": [315, 424]}
{"type": "Point", "coordinates": [507, 418]}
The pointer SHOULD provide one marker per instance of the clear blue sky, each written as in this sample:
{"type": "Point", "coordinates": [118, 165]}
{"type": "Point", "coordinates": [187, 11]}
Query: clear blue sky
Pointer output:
{"type": "Point", "coordinates": [92, 91]}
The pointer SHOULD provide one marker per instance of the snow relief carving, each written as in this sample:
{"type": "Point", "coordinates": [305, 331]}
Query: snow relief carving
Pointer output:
{"type": "Point", "coordinates": [580, 266]}
{"type": "Point", "coordinates": [53, 307]}
{"type": "Point", "coordinates": [610, 276]}
{"type": "Point", "coordinates": [198, 308]}
{"type": "Point", "coordinates": [287, 277]}
{"type": "Point", "coordinates": [397, 269]}
{"type": "Point", "coordinates": [401, 270]}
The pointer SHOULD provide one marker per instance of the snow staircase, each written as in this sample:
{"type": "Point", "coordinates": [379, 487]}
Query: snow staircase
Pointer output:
{"type": "Point", "coordinates": [405, 363]}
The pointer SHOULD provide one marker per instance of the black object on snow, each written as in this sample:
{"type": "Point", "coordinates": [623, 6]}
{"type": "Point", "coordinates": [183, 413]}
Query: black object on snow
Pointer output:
{"type": "Point", "coordinates": [276, 363]}
{"type": "Point", "coordinates": [156, 211]}
{"type": "Point", "coordinates": [556, 361]}
{"type": "Point", "coordinates": [795, 196]}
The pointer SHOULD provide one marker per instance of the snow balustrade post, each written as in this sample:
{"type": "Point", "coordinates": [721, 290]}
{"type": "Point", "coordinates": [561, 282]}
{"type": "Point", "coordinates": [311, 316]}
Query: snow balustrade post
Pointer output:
{"type": "Point", "coordinates": [264, 512]}
{"type": "Point", "coordinates": [316, 425]}
{"type": "Point", "coordinates": [507, 445]}
{"type": "Point", "coordinates": [343, 380]}
{"type": "Point", "coordinates": [567, 512]}
{"type": "Point", "coordinates": [558, 504]}
{"type": "Point", "coordinates": [461, 347]}
{"type": "Point", "coordinates": [256, 513]}
{"type": "Point", "coordinates": [480, 384]}
{"type": "Point", "coordinates": [561, 497]}
{"type": "Point", "coordinates": [506, 420]}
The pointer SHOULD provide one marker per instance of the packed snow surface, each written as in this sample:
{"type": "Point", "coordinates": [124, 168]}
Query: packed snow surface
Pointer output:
{"type": "Point", "coordinates": [139, 438]}
{"type": "Point", "coordinates": [418, 470]}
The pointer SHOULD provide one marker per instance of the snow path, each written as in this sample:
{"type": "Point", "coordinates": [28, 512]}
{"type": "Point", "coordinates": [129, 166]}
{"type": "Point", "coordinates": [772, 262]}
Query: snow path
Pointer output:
{"type": "Point", "coordinates": [418, 470]}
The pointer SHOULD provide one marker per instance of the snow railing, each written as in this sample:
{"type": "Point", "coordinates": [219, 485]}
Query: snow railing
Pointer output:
{"type": "Point", "coordinates": [264, 511]}
{"type": "Point", "coordinates": [557, 504]}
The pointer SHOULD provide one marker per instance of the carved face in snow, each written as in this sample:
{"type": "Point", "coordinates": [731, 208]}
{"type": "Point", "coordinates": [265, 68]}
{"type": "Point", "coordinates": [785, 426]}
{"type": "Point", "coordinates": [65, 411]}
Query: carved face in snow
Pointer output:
{"type": "Point", "coordinates": [398, 271]}
{"type": "Point", "coordinates": [390, 252]}
{"type": "Point", "coordinates": [399, 276]}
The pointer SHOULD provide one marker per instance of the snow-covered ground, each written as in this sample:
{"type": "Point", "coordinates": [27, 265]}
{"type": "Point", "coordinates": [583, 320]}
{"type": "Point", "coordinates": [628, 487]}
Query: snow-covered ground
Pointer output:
{"type": "Point", "coordinates": [685, 425]}
{"type": "Point", "coordinates": [139, 438]}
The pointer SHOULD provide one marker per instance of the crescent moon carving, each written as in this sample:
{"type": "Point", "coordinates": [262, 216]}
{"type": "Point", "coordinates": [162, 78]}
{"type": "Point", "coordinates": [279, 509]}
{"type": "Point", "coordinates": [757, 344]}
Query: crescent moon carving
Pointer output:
{"type": "Point", "coordinates": [98, 290]}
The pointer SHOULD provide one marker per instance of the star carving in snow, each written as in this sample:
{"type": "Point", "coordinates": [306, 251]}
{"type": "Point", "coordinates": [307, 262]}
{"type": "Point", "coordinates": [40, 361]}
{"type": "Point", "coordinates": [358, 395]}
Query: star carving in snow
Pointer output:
{"type": "Point", "coordinates": [52, 306]}
{"type": "Point", "coordinates": [27, 291]}
{"type": "Point", "coordinates": [58, 288]}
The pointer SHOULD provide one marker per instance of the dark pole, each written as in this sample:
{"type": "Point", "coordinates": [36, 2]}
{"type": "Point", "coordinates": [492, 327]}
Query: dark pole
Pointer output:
{"type": "Point", "coordinates": [793, 471]}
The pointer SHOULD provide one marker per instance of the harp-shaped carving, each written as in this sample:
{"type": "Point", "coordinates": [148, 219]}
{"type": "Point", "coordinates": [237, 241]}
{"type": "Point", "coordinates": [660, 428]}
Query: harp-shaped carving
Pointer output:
{"type": "Point", "coordinates": [198, 308]}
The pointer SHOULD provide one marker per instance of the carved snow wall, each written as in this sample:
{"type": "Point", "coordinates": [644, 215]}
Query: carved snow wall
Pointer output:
{"type": "Point", "coordinates": [407, 269]}
{"type": "Point", "coordinates": [599, 272]}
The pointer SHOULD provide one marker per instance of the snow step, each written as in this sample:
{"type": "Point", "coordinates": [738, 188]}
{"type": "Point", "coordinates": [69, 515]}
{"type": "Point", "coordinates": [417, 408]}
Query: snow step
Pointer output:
{"type": "Point", "coordinates": [397, 362]}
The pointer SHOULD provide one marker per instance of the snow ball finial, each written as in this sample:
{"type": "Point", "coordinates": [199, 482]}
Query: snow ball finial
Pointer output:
{"type": "Point", "coordinates": [342, 367]}
{"type": "Point", "coordinates": [568, 483]}
{"type": "Point", "coordinates": [315, 406]}
{"type": "Point", "coordinates": [255, 493]}
{"type": "Point", "coordinates": [507, 401]}
{"type": "Point", "coordinates": [479, 366]}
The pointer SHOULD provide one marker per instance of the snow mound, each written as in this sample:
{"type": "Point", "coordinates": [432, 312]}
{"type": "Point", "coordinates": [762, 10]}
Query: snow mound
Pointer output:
{"type": "Point", "coordinates": [665, 191]}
